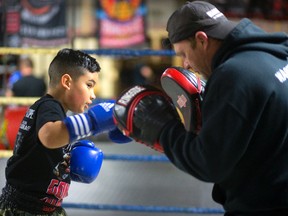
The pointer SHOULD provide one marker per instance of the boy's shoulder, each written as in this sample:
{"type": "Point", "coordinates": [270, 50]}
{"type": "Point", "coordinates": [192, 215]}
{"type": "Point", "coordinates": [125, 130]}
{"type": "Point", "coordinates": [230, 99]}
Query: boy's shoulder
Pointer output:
{"type": "Point", "coordinates": [48, 106]}
{"type": "Point", "coordinates": [45, 100]}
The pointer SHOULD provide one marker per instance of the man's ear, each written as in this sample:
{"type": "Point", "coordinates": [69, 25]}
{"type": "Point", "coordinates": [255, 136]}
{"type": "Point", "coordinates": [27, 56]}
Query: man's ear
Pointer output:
{"type": "Point", "coordinates": [202, 38]}
{"type": "Point", "coordinates": [66, 81]}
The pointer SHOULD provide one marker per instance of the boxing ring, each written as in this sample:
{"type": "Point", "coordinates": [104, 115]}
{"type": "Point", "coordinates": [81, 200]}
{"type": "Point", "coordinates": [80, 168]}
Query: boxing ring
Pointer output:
{"type": "Point", "coordinates": [134, 179]}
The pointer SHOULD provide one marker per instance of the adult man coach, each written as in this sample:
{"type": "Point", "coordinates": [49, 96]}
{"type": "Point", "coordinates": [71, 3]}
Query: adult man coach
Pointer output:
{"type": "Point", "coordinates": [242, 146]}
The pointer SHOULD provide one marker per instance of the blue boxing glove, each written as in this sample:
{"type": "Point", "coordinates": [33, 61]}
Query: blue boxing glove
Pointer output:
{"type": "Point", "coordinates": [85, 162]}
{"type": "Point", "coordinates": [98, 119]}
{"type": "Point", "coordinates": [117, 136]}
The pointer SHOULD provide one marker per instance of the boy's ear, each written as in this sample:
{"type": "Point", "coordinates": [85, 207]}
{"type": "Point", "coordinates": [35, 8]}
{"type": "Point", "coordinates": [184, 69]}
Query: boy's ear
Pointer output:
{"type": "Point", "coordinates": [66, 81]}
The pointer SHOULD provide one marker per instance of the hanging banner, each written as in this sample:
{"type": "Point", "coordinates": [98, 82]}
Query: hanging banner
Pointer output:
{"type": "Point", "coordinates": [121, 24]}
{"type": "Point", "coordinates": [36, 23]}
{"type": "Point", "coordinates": [2, 26]}
{"type": "Point", "coordinates": [11, 22]}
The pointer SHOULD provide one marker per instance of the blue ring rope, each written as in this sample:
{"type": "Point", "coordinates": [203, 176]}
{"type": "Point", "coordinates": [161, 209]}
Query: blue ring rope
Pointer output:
{"type": "Point", "coordinates": [130, 52]}
{"type": "Point", "coordinates": [137, 208]}
{"type": "Point", "coordinates": [146, 158]}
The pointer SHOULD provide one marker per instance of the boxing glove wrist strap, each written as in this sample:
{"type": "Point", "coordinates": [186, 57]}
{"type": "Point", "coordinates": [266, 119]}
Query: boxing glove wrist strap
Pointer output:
{"type": "Point", "coordinates": [79, 126]}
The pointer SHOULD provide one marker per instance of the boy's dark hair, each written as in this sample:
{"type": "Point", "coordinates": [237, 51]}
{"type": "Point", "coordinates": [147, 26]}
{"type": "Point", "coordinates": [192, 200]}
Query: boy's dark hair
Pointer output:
{"type": "Point", "coordinates": [72, 62]}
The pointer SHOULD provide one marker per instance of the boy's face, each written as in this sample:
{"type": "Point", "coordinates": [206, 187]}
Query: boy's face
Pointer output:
{"type": "Point", "coordinates": [81, 92]}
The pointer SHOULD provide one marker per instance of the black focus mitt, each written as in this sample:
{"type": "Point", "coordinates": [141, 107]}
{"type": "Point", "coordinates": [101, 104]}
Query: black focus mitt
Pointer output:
{"type": "Point", "coordinates": [142, 111]}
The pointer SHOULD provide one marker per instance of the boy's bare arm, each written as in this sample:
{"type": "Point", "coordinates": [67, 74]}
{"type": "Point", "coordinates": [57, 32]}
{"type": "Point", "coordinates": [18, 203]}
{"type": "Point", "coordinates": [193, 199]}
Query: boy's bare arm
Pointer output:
{"type": "Point", "coordinates": [54, 135]}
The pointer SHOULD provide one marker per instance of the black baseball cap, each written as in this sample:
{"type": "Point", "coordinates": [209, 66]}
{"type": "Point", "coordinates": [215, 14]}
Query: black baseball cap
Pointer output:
{"type": "Point", "coordinates": [197, 16]}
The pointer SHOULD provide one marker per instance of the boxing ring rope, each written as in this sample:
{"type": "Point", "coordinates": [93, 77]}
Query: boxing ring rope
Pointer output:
{"type": "Point", "coordinates": [149, 209]}
{"type": "Point", "coordinates": [112, 157]}
{"type": "Point", "coordinates": [23, 101]}
{"type": "Point", "coordinates": [104, 52]}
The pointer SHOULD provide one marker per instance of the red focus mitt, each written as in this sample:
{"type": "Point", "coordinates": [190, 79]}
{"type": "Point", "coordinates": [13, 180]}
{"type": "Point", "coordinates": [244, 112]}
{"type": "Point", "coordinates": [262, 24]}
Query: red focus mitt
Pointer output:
{"type": "Point", "coordinates": [186, 91]}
